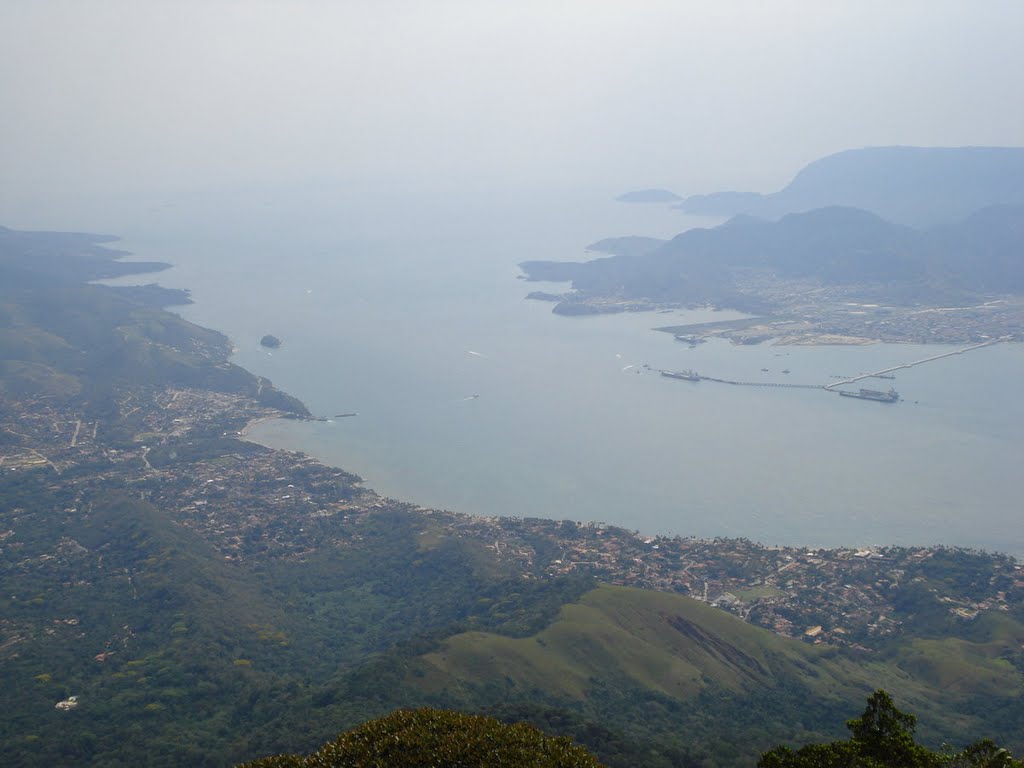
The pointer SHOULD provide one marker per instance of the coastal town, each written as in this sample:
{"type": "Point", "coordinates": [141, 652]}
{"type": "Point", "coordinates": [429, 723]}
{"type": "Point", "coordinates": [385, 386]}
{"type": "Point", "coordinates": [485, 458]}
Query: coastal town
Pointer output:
{"type": "Point", "coordinates": [858, 322]}
{"type": "Point", "coordinates": [184, 451]}
{"type": "Point", "coordinates": [805, 312]}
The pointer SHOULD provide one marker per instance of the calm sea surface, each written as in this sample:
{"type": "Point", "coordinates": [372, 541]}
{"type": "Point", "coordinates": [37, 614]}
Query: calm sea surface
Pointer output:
{"type": "Point", "coordinates": [473, 399]}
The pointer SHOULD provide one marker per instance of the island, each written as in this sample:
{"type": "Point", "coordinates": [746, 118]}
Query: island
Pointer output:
{"type": "Point", "coordinates": [271, 342]}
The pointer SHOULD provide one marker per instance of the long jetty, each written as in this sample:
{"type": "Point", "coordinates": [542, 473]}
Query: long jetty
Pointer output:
{"type": "Point", "coordinates": [760, 383]}
{"type": "Point", "coordinates": [693, 376]}
{"type": "Point", "coordinates": [903, 366]}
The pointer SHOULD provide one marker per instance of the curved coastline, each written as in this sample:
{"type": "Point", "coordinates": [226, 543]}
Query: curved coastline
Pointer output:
{"type": "Point", "coordinates": [244, 431]}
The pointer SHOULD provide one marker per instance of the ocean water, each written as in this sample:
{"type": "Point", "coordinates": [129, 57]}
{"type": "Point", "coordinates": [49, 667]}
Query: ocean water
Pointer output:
{"type": "Point", "coordinates": [407, 310]}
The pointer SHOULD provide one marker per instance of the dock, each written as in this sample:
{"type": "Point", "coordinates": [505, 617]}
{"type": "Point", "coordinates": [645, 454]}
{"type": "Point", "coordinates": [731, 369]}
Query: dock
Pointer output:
{"type": "Point", "coordinates": [886, 373]}
{"type": "Point", "coordinates": [883, 373]}
{"type": "Point", "coordinates": [780, 385]}
{"type": "Point", "coordinates": [694, 376]}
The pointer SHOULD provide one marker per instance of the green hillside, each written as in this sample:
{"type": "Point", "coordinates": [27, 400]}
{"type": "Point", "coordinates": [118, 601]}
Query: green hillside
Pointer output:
{"type": "Point", "coordinates": [618, 649]}
{"type": "Point", "coordinates": [650, 678]}
{"type": "Point", "coordinates": [62, 336]}
{"type": "Point", "coordinates": [141, 622]}
{"type": "Point", "coordinates": [662, 642]}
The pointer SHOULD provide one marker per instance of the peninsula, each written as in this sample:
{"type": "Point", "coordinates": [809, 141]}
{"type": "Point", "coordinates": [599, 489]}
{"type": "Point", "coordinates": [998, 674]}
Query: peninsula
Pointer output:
{"type": "Point", "coordinates": [833, 273]}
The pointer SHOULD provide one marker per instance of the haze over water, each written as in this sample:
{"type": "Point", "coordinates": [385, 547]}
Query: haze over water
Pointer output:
{"type": "Point", "coordinates": [474, 399]}
{"type": "Point", "coordinates": [429, 119]}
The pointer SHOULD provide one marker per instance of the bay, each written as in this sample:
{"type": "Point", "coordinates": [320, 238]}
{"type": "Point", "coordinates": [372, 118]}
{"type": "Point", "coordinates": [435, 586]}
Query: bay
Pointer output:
{"type": "Point", "coordinates": [404, 307]}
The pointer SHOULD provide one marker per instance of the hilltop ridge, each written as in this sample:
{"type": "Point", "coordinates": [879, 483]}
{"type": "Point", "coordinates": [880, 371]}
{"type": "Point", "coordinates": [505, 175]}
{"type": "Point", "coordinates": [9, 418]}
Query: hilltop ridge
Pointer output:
{"type": "Point", "coordinates": [811, 266]}
{"type": "Point", "coordinates": [918, 186]}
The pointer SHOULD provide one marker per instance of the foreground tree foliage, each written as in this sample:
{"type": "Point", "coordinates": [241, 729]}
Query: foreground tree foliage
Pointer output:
{"type": "Point", "coordinates": [442, 739]}
{"type": "Point", "coordinates": [883, 737]}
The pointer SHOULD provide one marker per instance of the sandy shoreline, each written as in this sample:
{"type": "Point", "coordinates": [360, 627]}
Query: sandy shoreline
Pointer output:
{"type": "Point", "coordinates": [244, 432]}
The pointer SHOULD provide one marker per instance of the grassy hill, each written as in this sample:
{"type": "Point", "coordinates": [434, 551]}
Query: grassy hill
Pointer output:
{"type": "Point", "coordinates": [666, 643]}
{"type": "Point", "coordinates": [618, 650]}
{"type": "Point", "coordinates": [655, 679]}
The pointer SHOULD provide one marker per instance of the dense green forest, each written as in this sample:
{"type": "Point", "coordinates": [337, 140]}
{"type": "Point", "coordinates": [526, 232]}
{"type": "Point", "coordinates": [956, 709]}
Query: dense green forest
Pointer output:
{"type": "Point", "coordinates": [440, 737]}
{"type": "Point", "coordinates": [882, 737]}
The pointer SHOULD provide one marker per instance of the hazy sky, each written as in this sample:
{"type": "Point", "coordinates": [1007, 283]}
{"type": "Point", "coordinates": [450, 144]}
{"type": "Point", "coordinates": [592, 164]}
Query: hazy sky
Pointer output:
{"type": "Point", "coordinates": [113, 97]}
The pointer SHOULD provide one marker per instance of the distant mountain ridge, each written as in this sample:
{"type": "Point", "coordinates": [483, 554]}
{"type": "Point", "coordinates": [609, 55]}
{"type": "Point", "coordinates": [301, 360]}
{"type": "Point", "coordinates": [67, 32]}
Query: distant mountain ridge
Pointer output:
{"type": "Point", "coordinates": [918, 186]}
{"type": "Point", "coordinates": [833, 245]}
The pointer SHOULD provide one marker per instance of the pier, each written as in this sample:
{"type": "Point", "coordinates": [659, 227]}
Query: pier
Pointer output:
{"type": "Point", "coordinates": [882, 373]}
{"type": "Point", "coordinates": [885, 373]}
{"type": "Point", "coordinates": [760, 383]}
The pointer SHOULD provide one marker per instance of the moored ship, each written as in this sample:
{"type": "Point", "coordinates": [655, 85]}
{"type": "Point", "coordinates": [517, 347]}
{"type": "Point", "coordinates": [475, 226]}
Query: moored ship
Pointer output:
{"type": "Point", "coordinates": [873, 394]}
{"type": "Point", "coordinates": [685, 375]}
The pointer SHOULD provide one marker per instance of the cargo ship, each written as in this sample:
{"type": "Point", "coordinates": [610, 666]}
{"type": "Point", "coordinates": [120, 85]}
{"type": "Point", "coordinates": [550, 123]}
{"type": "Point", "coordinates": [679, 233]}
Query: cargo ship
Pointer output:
{"type": "Point", "coordinates": [693, 341]}
{"type": "Point", "coordinates": [873, 394]}
{"type": "Point", "coordinates": [684, 375]}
